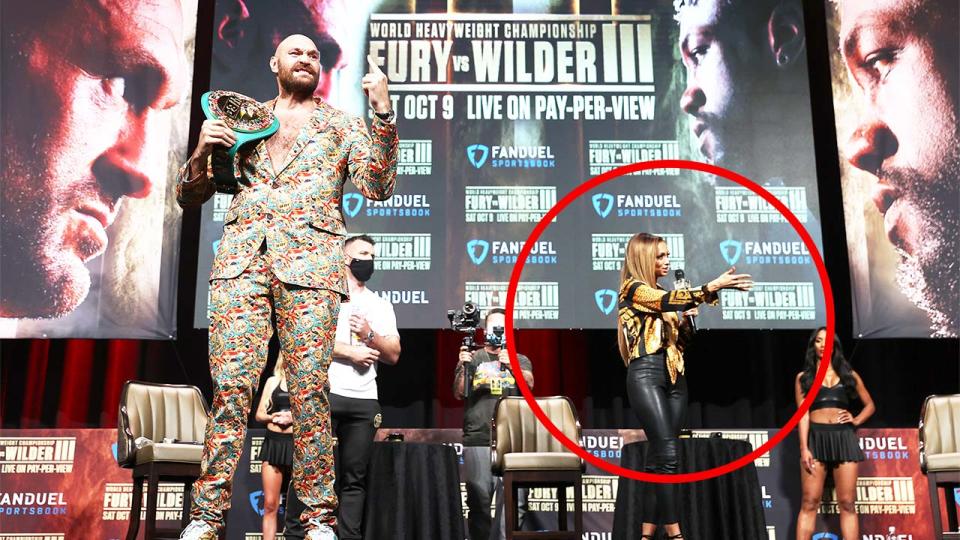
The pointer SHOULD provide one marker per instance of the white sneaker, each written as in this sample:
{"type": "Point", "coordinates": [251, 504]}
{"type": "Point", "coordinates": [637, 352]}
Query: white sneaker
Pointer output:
{"type": "Point", "coordinates": [198, 530]}
{"type": "Point", "coordinates": [321, 531]}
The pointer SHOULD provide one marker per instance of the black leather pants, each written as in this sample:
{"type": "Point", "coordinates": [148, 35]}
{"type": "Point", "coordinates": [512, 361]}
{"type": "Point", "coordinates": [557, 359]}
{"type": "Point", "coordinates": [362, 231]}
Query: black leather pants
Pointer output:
{"type": "Point", "coordinates": [660, 406]}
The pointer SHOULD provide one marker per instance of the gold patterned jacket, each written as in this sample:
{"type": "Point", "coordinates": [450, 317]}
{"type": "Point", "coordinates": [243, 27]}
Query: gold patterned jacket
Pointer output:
{"type": "Point", "coordinates": [298, 209]}
{"type": "Point", "coordinates": [650, 321]}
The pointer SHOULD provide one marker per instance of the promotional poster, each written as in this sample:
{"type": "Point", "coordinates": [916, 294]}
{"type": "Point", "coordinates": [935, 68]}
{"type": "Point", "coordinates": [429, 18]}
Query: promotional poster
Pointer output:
{"type": "Point", "coordinates": [896, 104]}
{"type": "Point", "coordinates": [505, 107]}
{"type": "Point", "coordinates": [89, 225]}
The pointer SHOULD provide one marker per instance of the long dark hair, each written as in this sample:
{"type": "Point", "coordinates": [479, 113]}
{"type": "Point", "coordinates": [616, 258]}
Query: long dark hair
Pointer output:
{"type": "Point", "coordinates": [837, 360]}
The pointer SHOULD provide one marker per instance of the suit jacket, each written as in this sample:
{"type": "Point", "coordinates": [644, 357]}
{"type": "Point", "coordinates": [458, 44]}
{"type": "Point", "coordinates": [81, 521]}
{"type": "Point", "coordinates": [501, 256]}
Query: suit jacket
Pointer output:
{"type": "Point", "coordinates": [298, 209]}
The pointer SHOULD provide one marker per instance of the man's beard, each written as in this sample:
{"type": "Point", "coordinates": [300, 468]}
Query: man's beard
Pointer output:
{"type": "Point", "coordinates": [930, 277]}
{"type": "Point", "coordinates": [295, 85]}
{"type": "Point", "coordinates": [36, 281]}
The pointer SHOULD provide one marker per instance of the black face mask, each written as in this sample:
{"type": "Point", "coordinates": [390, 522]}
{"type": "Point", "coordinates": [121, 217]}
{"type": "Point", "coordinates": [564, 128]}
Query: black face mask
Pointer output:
{"type": "Point", "coordinates": [362, 269]}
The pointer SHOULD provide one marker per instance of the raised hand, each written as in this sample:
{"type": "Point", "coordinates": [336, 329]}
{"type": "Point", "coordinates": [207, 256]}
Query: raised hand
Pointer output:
{"type": "Point", "coordinates": [729, 280]}
{"type": "Point", "coordinates": [374, 85]}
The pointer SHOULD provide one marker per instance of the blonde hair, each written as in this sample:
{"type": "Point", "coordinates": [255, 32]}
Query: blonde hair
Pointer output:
{"type": "Point", "coordinates": [639, 263]}
{"type": "Point", "coordinates": [280, 372]}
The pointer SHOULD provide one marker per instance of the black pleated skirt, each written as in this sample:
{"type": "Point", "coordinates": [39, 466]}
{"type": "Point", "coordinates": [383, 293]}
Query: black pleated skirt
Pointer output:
{"type": "Point", "coordinates": [834, 443]}
{"type": "Point", "coordinates": [277, 449]}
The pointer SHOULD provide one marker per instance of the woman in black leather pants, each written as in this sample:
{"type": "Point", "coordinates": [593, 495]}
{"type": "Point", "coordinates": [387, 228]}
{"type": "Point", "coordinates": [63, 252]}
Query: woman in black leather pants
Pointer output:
{"type": "Point", "coordinates": [651, 335]}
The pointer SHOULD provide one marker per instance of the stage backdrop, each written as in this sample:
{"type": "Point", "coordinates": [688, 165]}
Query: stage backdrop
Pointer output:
{"type": "Point", "coordinates": [66, 484]}
{"type": "Point", "coordinates": [893, 66]}
{"type": "Point", "coordinates": [95, 119]}
{"type": "Point", "coordinates": [503, 107]}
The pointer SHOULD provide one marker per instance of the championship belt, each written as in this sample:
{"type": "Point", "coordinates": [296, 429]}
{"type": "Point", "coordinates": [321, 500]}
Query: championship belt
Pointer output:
{"type": "Point", "coordinates": [248, 118]}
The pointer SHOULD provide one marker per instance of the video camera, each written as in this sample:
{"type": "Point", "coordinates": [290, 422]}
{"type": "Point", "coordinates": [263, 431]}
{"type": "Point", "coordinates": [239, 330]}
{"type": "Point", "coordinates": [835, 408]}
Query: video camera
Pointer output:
{"type": "Point", "coordinates": [466, 321]}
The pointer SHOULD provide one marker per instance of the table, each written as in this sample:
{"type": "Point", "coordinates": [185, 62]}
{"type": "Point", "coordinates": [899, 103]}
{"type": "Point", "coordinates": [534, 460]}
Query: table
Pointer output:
{"type": "Point", "coordinates": [413, 492]}
{"type": "Point", "coordinates": [728, 506]}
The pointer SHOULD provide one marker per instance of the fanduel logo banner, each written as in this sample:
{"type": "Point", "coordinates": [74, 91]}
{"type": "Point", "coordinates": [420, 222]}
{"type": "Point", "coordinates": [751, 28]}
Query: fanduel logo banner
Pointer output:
{"type": "Point", "coordinates": [29, 504]}
{"type": "Point", "coordinates": [631, 205]}
{"type": "Point", "coordinates": [513, 157]}
{"type": "Point", "coordinates": [885, 448]}
{"type": "Point", "coordinates": [404, 297]}
{"type": "Point", "coordinates": [606, 300]}
{"type": "Point", "coordinates": [765, 253]}
{"type": "Point", "coordinates": [398, 206]}
{"type": "Point", "coordinates": [507, 252]}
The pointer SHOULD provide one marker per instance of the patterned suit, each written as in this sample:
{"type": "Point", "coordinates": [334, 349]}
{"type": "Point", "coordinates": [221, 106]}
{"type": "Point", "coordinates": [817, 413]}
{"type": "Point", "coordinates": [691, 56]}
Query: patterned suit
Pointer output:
{"type": "Point", "coordinates": [282, 251]}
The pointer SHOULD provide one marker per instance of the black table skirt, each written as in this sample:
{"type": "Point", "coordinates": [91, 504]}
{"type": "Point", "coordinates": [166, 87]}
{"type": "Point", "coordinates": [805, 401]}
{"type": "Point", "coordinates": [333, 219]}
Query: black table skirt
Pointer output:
{"type": "Point", "coordinates": [726, 507]}
{"type": "Point", "coordinates": [413, 493]}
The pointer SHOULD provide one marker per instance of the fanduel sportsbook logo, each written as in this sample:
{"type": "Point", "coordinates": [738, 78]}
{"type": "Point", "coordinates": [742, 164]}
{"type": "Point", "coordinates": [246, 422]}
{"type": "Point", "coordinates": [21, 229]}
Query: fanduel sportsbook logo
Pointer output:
{"type": "Point", "coordinates": [477, 250]}
{"type": "Point", "coordinates": [507, 252]}
{"type": "Point", "coordinates": [477, 154]}
{"type": "Point", "coordinates": [636, 205]}
{"type": "Point", "coordinates": [410, 205]}
{"type": "Point", "coordinates": [603, 204]}
{"type": "Point", "coordinates": [606, 300]}
{"type": "Point", "coordinates": [512, 157]}
{"type": "Point", "coordinates": [256, 502]}
{"type": "Point", "coordinates": [731, 250]}
{"type": "Point", "coordinates": [352, 203]}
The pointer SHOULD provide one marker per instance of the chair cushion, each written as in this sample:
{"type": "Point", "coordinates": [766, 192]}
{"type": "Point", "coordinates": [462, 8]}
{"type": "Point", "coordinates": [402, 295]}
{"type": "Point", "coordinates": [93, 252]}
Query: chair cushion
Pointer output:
{"type": "Point", "coordinates": [175, 452]}
{"type": "Point", "coordinates": [943, 462]}
{"type": "Point", "coordinates": [538, 461]}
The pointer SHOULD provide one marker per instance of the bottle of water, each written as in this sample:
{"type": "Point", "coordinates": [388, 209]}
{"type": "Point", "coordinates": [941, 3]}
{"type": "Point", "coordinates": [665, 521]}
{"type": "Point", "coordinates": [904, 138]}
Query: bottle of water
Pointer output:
{"type": "Point", "coordinates": [892, 534]}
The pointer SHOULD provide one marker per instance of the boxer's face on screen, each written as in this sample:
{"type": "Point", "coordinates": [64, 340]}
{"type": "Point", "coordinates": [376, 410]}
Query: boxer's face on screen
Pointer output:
{"type": "Point", "coordinates": [90, 78]}
{"type": "Point", "coordinates": [903, 55]}
{"type": "Point", "coordinates": [720, 63]}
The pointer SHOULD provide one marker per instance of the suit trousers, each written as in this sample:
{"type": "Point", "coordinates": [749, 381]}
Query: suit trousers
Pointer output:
{"type": "Point", "coordinates": [240, 330]}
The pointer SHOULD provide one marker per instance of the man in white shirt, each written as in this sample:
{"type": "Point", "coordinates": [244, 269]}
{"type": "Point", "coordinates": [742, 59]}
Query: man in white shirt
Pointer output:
{"type": "Point", "coordinates": [366, 334]}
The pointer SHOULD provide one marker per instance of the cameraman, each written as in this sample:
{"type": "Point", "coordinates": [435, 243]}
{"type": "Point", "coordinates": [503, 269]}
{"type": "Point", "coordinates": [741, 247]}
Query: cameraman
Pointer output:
{"type": "Point", "coordinates": [493, 378]}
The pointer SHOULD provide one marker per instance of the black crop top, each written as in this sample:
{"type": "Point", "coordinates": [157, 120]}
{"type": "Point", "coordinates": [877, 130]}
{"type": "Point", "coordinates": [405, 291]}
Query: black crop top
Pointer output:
{"type": "Point", "coordinates": [831, 397]}
{"type": "Point", "coordinates": [279, 400]}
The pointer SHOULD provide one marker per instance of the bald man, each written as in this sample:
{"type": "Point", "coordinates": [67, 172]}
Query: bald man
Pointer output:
{"type": "Point", "coordinates": [281, 255]}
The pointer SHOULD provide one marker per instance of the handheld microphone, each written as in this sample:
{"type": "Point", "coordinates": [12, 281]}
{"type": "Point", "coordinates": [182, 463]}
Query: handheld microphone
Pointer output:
{"type": "Point", "coordinates": [681, 283]}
